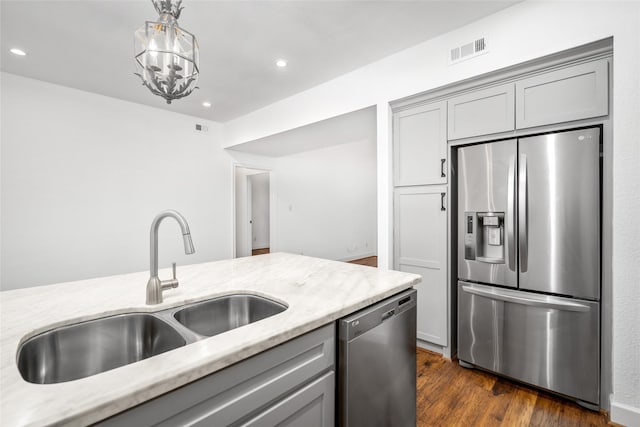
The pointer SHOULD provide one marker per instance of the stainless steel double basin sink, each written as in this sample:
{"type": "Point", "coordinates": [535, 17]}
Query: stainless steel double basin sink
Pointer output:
{"type": "Point", "coordinates": [83, 349]}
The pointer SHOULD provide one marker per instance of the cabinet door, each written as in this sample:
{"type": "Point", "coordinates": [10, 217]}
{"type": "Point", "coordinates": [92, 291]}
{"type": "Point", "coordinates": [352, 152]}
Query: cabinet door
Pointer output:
{"type": "Point", "coordinates": [482, 112]}
{"type": "Point", "coordinates": [574, 93]}
{"type": "Point", "coordinates": [311, 406]}
{"type": "Point", "coordinates": [420, 246]}
{"type": "Point", "coordinates": [420, 145]}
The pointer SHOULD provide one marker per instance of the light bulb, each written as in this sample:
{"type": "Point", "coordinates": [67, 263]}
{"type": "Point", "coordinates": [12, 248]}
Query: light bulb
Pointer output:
{"type": "Point", "coordinates": [153, 49]}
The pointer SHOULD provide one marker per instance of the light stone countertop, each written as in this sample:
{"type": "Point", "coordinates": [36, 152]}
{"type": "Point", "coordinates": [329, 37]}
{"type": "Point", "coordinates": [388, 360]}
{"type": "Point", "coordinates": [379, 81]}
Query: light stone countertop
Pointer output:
{"type": "Point", "coordinates": [317, 292]}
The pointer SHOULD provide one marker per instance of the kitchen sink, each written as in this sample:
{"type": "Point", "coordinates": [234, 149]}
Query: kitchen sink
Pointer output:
{"type": "Point", "coordinates": [222, 314]}
{"type": "Point", "coordinates": [83, 349]}
{"type": "Point", "coordinates": [88, 348]}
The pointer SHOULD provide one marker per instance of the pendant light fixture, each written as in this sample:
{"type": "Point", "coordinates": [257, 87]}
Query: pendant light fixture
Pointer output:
{"type": "Point", "coordinates": [167, 55]}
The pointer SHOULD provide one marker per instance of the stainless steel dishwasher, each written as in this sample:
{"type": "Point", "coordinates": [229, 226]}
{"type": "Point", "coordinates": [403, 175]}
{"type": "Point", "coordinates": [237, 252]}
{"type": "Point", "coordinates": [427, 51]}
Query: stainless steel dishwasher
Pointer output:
{"type": "Point", "coordinates": [377, 364]}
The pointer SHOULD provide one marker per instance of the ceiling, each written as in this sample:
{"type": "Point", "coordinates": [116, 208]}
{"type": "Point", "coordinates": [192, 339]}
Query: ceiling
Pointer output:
{"type": "Point", "coordinates": [354, 126]}
{"type": "Point", "coordinates": [88, 45]}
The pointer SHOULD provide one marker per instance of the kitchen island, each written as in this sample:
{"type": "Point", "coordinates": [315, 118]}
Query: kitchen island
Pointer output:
{"type": "Point", "coordinates": [316, 292]}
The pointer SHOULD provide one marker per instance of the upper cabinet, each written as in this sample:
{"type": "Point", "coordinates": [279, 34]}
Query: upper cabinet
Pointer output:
{"type": "Point", "coordinates": [572, 93]}
{"type": "Point", "coordinates": [482, 112]}
{"type": "Point", "coordinates": [420, 145]}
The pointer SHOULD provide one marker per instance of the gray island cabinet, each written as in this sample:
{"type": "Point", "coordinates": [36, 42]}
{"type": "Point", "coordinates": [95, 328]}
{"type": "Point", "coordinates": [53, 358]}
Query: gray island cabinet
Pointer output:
{"type": "Point", "coordinates": [292, 384]}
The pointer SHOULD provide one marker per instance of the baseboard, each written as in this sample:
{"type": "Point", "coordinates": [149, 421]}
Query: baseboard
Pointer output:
{"type": "Point", "coordinates": [625, 415]}
{"type": "Point", "coordinates": [428, 346]}
{"type": "Point", "coordinates": [359, 256]}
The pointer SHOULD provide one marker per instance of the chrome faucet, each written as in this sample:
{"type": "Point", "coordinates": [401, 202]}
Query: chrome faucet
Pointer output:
{"type": "Point", "coordinates": [155, 286]}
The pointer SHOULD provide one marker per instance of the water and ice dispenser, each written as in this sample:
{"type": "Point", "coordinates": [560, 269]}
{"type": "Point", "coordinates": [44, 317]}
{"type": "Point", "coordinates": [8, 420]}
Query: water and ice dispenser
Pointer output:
{"type": "Point", "coordinates": [484, 239]}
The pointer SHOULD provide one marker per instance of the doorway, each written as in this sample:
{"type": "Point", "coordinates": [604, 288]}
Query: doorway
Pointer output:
{"type": "Point", "coordinates": [252, 211]}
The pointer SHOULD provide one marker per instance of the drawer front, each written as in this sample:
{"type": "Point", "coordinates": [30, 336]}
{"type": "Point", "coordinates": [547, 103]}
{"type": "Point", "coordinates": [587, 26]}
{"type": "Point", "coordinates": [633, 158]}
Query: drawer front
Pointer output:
{"type": "Point", "coordinates": [311, 406]}
{"type": "Point", "coordinates": [236, 392]}
{"type": "Point", "coordinates": [574, 93]}
{"type": "Point", "coordinates": [482, 112]}
{"type": "Point", "coordinates": [553, 344]}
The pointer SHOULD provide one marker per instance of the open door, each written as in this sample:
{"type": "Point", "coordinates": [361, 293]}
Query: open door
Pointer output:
{"type": "Point", "coordinates": [252, 196]}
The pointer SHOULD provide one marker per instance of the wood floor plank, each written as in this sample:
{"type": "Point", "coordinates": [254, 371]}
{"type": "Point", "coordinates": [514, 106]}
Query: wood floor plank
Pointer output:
{"type": "Point", "coordinates": [493, 411]}
{"type": "Point", "coordinates": [449, 395]}
{"type": "Point", "coordinates": [518, 413]}
{"type": "Point", "coordinates": [546, 412]}
{"type": "Point", "coordinates": [371, 261]}
{"type": "Point", "coordinates": [259, 251]}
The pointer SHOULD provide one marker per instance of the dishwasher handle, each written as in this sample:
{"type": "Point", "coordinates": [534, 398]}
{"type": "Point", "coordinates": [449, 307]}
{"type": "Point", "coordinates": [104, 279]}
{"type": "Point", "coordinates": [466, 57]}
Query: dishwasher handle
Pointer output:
{"type": "Point", "coordinates": [388, 314]}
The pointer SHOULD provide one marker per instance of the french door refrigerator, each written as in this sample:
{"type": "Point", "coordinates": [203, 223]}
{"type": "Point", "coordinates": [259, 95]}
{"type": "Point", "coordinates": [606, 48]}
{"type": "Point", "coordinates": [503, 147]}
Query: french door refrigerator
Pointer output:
{"type": "Point", "coordinates": [529, 260]}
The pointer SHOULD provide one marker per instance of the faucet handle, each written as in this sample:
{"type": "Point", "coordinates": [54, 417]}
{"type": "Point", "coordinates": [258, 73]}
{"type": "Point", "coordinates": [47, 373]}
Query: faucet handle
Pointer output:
{"type": "Point", "coordinates": [170, 283]}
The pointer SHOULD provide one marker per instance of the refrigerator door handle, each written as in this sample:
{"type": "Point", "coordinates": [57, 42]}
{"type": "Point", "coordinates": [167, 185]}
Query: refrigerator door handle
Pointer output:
{"type": "Point", "coordinates": [522, 213]}
{"type": "Point", "coordinates": [542, 301]}
{"type": "Point", "coordinates": [511, 214]}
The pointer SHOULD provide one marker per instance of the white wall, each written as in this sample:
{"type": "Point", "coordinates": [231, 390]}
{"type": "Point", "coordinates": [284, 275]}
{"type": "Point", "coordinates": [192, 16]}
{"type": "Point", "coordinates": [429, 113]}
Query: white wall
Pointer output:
{"type": "Point", "coordinates": [241, 212]}
{"type": "Point", "coordinates": [520, 33]}
{"type": "Point", "coordinates": [260, 210]}
{"type": "Point", "coordinates": [83, 175]}
{"type": "Point", "coordinates": [326, 201]}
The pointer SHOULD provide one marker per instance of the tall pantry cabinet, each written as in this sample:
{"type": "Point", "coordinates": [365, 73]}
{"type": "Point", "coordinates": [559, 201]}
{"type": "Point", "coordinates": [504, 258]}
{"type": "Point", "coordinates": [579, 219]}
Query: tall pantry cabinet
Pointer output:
{"type": "Point", "coordinates": [420, 216]}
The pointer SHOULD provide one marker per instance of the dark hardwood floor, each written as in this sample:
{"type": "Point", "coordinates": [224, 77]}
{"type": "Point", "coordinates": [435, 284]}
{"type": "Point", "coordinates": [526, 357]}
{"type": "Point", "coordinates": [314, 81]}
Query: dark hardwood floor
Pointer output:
{"type": "Point", "coordinates": [259, 251]}
{"type": "Point", "coordinates": [371, 261]}
{"type": "Point", "coordinates": [449, 395]}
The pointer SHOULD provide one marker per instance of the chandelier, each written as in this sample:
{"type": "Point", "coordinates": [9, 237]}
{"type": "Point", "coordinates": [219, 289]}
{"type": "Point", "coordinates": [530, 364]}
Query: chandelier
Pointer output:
{"type": "Point", "coordinates": [167, 55]}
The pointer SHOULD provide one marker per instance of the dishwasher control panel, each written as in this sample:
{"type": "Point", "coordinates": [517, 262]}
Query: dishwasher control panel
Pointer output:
{"type": "Point", "coordinates": [360, 322]}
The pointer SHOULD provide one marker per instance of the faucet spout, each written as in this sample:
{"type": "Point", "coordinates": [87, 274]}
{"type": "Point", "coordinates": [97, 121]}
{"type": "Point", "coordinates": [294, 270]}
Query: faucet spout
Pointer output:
{"type": "Point", "coordinates": [155, 286]}
{"type": "Point", "coordinates": [188, 244]}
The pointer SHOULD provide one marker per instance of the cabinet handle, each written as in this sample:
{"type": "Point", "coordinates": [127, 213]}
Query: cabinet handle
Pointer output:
{"type": "Point", "coordinates": [442, 174]}
{"type": "Point", "coordinates": [442, 208]}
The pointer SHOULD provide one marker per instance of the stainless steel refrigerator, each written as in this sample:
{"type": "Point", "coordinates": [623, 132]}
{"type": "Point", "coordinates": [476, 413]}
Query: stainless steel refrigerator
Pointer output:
{"type": "Point", "coordinates": [529, 260]}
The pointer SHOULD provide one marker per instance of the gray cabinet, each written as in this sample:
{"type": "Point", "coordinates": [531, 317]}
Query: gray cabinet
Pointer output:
{"type": "Point", "coordinates": [291, 384]}
{"type": "Point", "coordinates": [420, 237]}
{"type": "Point", "coordinates": [312, 405]}
{"type": "Point", "coordinates": [572, 93]}
{"type": "Point", "coordinates": [420, 145]}
{"type": "Point", "coordinates": [482, 112]}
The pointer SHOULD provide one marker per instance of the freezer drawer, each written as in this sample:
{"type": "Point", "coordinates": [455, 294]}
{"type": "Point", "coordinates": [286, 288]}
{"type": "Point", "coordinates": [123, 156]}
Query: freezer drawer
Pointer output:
{"type": "Point", "coordinates": [547, 341]}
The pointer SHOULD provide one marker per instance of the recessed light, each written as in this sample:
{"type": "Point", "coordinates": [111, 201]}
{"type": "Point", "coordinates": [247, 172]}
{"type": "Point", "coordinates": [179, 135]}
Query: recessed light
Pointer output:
{"type": "Point", "coordinates": [281, 63]}
{"type": "Point", "coordinates": [18, 52]}
{"type": "Point", "coordinates": [206, 104]}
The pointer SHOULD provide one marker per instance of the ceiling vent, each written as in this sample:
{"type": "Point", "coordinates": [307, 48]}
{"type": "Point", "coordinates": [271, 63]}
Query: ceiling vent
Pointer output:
{"type": "Point", "coordinates": [468, 51]}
